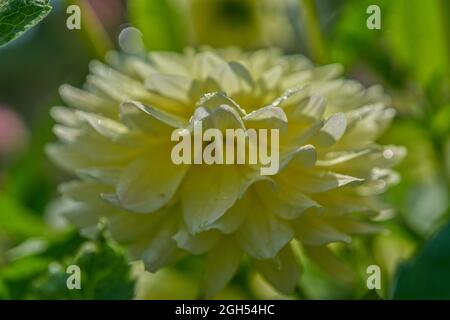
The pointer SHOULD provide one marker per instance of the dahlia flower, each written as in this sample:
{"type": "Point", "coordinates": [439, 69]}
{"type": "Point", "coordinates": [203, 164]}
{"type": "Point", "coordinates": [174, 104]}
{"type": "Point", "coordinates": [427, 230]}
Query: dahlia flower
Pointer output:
{"type": "Point", "coordinates": [115, 137]}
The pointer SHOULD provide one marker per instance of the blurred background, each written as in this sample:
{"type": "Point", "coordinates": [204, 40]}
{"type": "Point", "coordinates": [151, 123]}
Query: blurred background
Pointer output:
{"type": "Point", "coordinates": [409, 56]}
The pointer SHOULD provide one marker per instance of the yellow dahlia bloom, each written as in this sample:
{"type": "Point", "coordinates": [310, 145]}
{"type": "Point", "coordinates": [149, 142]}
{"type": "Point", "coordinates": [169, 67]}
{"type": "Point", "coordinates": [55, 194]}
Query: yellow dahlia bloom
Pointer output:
{"type": "Point", "coordinates": [115, 136]}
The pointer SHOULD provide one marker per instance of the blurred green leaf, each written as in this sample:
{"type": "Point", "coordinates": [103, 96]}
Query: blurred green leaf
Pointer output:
{"type": "Point", "coordinates": [105, 271]}
{"type": "Point", "coordinates": [17, 221]}
{"type": "Point", "coordinates": [17, 276]}
{"type": "Point", "coordinates": [426, 205]}
{"type": "Point", "coordinates": [159, 22]}
{"type": "Point", "coordinates": [427, 276]}
{"type": "Point", "coordinates": [354, 45]}
{"type": "Point", "coordinates": [17, 16]}
{"type": "Point", "coordinates": [105, 274]}
{"type": "Point", "coordinates": [23, 268]}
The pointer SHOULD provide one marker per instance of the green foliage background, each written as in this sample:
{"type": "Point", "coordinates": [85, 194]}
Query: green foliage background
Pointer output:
{"type": "Point", "coordinates": [409, 56]}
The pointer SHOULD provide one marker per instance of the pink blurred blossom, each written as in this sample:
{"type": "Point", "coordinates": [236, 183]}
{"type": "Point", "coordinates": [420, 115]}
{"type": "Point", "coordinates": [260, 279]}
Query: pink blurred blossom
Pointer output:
{"type": "Point", "coordinates": [109, 12]}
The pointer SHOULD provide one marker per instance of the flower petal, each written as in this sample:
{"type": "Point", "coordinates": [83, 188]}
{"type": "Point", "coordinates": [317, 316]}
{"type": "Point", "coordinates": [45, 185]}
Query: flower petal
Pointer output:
{"type": "Point", "coordinates": [84, 191]}
{"type": "Point", "coordinates": [108, 128]}
{"type": "Point", "coordinates": [222, 263]}
{"type": "Point", "coordinates": [233, 217]}
{"type": "Point", "coordinates": [267, 118]}
{"type": "Point", "coordinates": [136, 118]}
{"type": "Point", "coordinates": [208, 192]}
{"type": "Point", "coordinates": [309, 181]}
{"type": "Point", "coordinates": [222, 117]}
{"type": "Point", "coordinates": [196, 244]}
{"type": "Point", "coordinates": [172, 86]}
{"type": "Point", "coordinates": [262, 234]}
{"type": "Point", "coordinates": [214, 99]}
{"type": "Point", "coordinates": [312, 230]}
{"type": "Point", "coordinates": [232, 77]}
{"type": "Point", "coordinates": [282, 272]}
{"type": "Point", "coordinates": [88, 101]}
{"type": "Point", "coordinates": [158, 249]}
{"type": "Point", "coordinates": [204, 63]}
{"type": "Point", "coordinates": [329, 263]}
{"type": "Point", "coordinates": [106, 175]}
{"type": "Point", "coordinates": [284, 202]}
{"type": "Point", "coordinates": [127, 227]}
{"type": "Point", "coordinates": [331, 132]}
{"type": "Point", "coordinates": [169, 119]}
{"type": "Point", "coordinates": [305, 156]}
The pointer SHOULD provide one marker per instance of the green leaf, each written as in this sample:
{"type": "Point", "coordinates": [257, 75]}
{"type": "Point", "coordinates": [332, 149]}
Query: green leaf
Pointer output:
{"type": "Point", "coordinates": [17, 221]}
{"type": "Point", "coordinates": [159, 22]}
{"type": "Point", "coordinates": [427, 276]}
{"type": "Point", "coordinates": [17, 276]}
{"type": "Point", "coordinates": [17, 16]}
{"type": "Point", "coordinates": [412, 43]}
{"type": "Point", "coordinates": [105, 271]}
{"type": "Point", "coordinates": [105, 275]}
{"type": "Point", "coordinates": [352, 44]}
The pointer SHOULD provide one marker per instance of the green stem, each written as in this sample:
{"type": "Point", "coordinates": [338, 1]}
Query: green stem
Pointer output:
{"type": "Point", "coordinates": [313, 31]}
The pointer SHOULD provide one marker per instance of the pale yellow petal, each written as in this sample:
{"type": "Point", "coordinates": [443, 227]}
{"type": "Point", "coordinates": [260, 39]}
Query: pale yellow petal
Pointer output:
{"type": "Point", "coordinates": [150, 181]}
{"type": "Point", "coordinates": [282, 272]}
{"type": "Point", "coordinates": [208, 192]}
{"type": "Point", "coordinates": [262, 234]}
